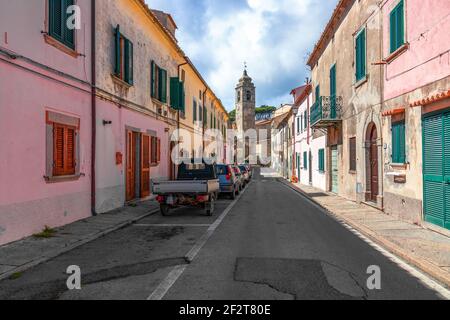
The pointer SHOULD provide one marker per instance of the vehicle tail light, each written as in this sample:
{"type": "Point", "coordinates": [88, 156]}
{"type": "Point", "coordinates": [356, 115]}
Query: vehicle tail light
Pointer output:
{"type": "Point", "coordinates": [202, 198]}
{"type": "Point", "coordinates": [160, 199]}
{"type": "Point", "coordinates": [228, 174]}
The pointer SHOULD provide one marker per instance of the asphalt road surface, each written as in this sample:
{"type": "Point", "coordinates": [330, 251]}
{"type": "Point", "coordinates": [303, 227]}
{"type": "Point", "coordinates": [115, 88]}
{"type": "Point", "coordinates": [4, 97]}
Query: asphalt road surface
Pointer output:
{"type": "Point", "coordinates": [271, 243]}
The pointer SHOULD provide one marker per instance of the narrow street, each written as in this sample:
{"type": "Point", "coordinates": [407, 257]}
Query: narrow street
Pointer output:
{"type": "Point", "coordinates": [272, 244]}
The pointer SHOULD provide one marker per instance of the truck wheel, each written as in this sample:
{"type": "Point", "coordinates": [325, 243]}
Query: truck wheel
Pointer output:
{"type": "Point", "coordinates": [164, 210]}
{"type": "Point", "coordinates": [210, 207]}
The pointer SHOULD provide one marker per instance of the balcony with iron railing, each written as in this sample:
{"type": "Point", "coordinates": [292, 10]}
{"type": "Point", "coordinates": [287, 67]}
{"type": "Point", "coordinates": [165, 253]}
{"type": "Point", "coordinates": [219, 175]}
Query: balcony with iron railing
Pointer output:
{"type": "Point", "coordinates": [326, 112]}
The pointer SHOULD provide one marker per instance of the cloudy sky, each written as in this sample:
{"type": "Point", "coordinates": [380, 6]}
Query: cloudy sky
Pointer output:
{"type": "Point", "coordinates": [274, 37]}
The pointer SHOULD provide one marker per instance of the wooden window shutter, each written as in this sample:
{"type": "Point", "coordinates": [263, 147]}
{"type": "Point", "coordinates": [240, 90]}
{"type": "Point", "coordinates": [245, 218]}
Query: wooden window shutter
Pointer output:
{"type": "Point", "coordinates": [64, 150]}
{"type": "Point", "coordinates": [175, 93]}
{"type": "Point", "coordinates": [352, 147]}
{"type": "Point", "coordinates": [145, 166]}
{"type": "Point", "coordinates": [194, 108]}
{"type": "Point", "coordinates": [400, 25]}
{"type": "Point", "coordinates": [69, 34]}
{"type": "Point", "coordinates": [128, 62]}
{"type": "Point", "coordinates": [398, 143]}
{"type": "Point", "coordinates": [182, 97]}
{"type": "Point", "coordinates": [56, 19]}
{"type": "Point", "coordinates": [118, 51]}
{"type": "Point", "coordinates": [158, 150]}
{"type": "Point", "coordinates": [163, 86]}
{"type": "Point", "coordinates": [153, 79]}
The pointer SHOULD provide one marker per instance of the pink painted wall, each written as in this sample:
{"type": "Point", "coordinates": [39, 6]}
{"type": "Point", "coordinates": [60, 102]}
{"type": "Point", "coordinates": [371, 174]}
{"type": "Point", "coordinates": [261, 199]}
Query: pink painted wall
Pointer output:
{"type": "Point", "coordinates": [27, 91]}
{"type": "Point", "coordinates": [111, 139]}
{"type": "Point", "coordinates": [427, 31]}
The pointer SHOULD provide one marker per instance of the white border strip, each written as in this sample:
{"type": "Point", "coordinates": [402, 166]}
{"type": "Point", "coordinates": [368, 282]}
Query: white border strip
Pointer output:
{"type": "Point", "coordinates": [177, 271]}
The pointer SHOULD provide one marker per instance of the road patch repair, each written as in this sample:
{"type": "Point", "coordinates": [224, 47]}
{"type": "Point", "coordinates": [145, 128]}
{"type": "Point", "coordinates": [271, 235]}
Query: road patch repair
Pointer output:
{"type": "Point", "coordinates": [302, 279]}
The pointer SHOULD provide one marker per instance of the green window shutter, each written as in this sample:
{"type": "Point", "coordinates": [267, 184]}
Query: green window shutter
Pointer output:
{"type": "Point", "coordinates": [128, 62]}
{"type": "Point", "coordinates": [392, 30]}
{"type": "Point", "coordinates": [400, 25]}
{"type": "Point", "coordinates": [360, 55]}
{"type": "Point", "coordinates": [175, 93]}
{"type": "Point", "coordinates": [69, 34]}
{"type": "Point", "coordinates": [398, 143]}
{"type": "Point", "coordinates": [153, 79]}
{"type": "Point", "coordinates": [117, 51]}
{"type": "Point", "coordinates": [182, 97]}
{"type": "Point", "coordinates": [56, 19]}
{"type": "Point", "coordinates": [162, 88]}
{"type": "Point", "coordinates": [305, 160]}
{"type": "Point", "coordinates": [317, 93]}
{"type": "Point", "coordinates": [194, 106]}
{"type": "Point", "coordinates": [397, 27]}
{"type": "Point", "coordinates": [321, 160]}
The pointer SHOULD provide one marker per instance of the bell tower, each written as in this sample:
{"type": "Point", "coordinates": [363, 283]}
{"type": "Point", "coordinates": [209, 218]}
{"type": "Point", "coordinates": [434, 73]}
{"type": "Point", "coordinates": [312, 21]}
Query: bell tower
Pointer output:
{"type": "Point", "coordinates": [245, 103]}
{"type": "Point", "coordinates": [245, 115]}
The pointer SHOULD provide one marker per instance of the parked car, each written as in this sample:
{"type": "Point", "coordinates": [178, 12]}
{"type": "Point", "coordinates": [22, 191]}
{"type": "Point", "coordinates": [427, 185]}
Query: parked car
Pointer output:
{"type": "Point", "coordinates": [245, 173]}
{"type": "Point", "coordinates": [196, 185]}
{"type": "Point", "coordinates": [239, 176]}
{"type": "Point", "coordinates": [229, 182]}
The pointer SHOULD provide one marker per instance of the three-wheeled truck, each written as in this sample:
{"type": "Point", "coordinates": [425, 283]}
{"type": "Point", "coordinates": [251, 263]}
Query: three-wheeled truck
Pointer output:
{"type": "Point", "coordinates": [196, 186]}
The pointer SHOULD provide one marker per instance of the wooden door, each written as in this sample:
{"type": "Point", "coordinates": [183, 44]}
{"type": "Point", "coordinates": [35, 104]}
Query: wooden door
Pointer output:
{"type": "Point", "coordinates": [436, 168]}
{"type": "Point", "coordinates": [373, 165]}
{"type": "Point", "coordinates": [131, 167]}
{"type": "Point", "coordinates": [145, 166]}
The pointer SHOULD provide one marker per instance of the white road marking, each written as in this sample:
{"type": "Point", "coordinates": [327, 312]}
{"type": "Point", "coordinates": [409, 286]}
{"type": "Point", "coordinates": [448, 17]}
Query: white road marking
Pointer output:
{"type": "Point", "coordinates": [423, 278]}
{"type": "Point", "coordinates": [171, 225]}
{"type": "Point", "coordinates": [177, 271]}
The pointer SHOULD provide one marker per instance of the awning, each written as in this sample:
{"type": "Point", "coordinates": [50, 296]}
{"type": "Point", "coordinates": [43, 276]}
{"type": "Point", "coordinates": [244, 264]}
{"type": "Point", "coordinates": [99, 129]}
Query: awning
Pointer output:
{"type": "Point", "coordinates": [393, 112]}
{"type": "Point", "coordinates": [431, 99]}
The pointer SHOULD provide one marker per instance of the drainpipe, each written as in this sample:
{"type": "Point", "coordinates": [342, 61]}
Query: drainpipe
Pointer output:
{"type": "Point", "coordinates": [93, 110]}
{"type": "Point", "coordinates": [382, 70]}
{"type": "Point", "coordinates": [179, 76]}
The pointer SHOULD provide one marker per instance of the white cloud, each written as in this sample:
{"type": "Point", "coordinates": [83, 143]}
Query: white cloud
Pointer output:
{"type": "Point", "coordinates": [272, 36]}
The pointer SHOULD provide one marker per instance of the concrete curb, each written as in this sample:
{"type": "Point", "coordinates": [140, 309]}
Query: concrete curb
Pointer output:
{"type": "Point", "coordinates": [424, 265]}
{"type": "Point", "coordinates": [80, 243]}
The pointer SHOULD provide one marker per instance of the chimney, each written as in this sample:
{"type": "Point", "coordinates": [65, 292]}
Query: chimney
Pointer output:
{"type": "Point", "coordinates": [166, 20]}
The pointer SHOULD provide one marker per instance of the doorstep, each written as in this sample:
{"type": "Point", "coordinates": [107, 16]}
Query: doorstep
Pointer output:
{"type": "Point", "coordinates": [24, 254]}
{"type": "Point", "coordinates": [426, 247]}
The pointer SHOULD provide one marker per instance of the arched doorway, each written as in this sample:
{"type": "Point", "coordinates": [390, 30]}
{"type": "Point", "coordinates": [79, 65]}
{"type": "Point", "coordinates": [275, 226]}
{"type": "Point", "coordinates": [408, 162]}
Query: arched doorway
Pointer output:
{"type": "Point", "coordinates": [372, 163]}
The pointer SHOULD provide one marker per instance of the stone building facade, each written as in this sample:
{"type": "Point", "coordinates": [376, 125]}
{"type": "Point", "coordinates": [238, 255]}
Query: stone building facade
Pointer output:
{"type": "Point", "coordinates": [347, 93]}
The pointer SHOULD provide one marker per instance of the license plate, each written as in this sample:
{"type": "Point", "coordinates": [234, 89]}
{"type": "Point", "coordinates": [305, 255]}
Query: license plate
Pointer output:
{"type": "Point", "coordinates": [170, 200]}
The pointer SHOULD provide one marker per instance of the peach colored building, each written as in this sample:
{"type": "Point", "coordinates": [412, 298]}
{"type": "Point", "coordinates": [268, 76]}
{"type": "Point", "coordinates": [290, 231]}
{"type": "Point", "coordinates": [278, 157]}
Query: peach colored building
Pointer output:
{"type": "Point", "coordinates": [45, 118]}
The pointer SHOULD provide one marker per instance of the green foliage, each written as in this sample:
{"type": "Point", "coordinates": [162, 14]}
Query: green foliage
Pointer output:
{"type": "Point", "coordinates": [46, 233]}
{"type": "Point", "coordinates": [265, 109]}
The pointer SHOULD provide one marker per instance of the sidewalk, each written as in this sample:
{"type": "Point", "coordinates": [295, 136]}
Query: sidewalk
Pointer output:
{"type": "Point", "coordinates": [426, 249]}
{"type": "Point", "coordinates": [24, 254]}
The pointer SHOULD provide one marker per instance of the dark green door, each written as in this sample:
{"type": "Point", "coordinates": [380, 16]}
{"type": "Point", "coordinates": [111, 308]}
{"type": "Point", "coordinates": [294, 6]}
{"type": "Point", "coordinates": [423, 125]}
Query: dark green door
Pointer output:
{"type": "Point", "coordinates": [436, 168]}
{"type": "Point", "coordinates": [333, 92]}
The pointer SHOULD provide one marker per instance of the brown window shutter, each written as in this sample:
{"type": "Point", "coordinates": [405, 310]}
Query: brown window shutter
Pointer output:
{"type": "Point", "coordinates": [153, 157]}
{"type": "Point", "coordinates": [58, 150]}
{"type": "Point", "coordinates": [158, 150]}
{"type": "Point", "coordinates": [145, 166]}
{"type": "Point", "coordinates": [352, 154]}
{"type": "Point", "coordinates": [64, 153]}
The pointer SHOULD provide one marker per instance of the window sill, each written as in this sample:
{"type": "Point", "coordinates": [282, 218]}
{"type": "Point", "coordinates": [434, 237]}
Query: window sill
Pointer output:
{"type": "Point", "coordinates": [57, 179]}
{"type": "Point", "coordinates": [352, 171]}
{"type": "Point", "coordinates": [60, 46]}
{"type": "Point", "coordinates": [121, 82]}
{"type": "Point", "coordinates": [394, 55]}
{"type": "Point", "coordinates": [399, 166]}
{"type": "Point", "coordinates": [361, 81]}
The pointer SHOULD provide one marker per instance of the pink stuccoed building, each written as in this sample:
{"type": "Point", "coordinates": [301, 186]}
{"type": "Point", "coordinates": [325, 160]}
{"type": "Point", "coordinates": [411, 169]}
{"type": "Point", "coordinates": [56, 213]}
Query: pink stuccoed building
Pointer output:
{"type": "Point", "coordinates": [45, 116]}
{"type": "Point", "coordinates": [416, 110]}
